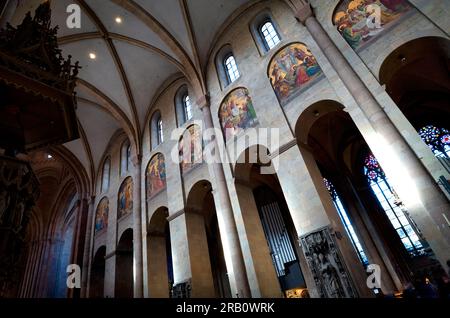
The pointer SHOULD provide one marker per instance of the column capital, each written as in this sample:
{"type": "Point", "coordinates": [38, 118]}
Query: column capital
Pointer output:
{"type": "Point", "coordinates": [302, 9]}
{"type": "Point", "coordinates": [204, 101]}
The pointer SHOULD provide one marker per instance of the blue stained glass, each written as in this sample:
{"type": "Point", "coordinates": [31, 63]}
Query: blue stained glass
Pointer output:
{"type": "Point", "coordinates": [438, 139]}
{"type": "Point", "coordinates": [392, 205]}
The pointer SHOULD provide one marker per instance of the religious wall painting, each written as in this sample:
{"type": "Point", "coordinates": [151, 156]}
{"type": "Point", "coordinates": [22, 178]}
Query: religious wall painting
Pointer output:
{"type": "Point", "coordinates": [237, 113]}
{"type": "Point", "coordinates": [156, 175]}
{"type": "Point", "coordinates": [101, 215]}
{"type": "Point", "coordinates": [125, 203]}
{"type": "Point", "coordinates": [360, 21]}
{"type": "Point", "coordinates": [190, 148]}
{"type": "Point", "coordinates": [293, 69]}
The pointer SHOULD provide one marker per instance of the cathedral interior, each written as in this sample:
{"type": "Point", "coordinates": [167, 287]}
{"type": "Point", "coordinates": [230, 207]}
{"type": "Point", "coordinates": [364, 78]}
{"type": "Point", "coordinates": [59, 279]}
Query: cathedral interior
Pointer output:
{"type": "Point", "coordinates": [224, 149]}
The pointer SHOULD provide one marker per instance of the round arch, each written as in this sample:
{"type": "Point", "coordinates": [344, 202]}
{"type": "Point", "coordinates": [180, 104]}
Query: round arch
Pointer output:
{"type": "Point", "coordinates": [124, 266]}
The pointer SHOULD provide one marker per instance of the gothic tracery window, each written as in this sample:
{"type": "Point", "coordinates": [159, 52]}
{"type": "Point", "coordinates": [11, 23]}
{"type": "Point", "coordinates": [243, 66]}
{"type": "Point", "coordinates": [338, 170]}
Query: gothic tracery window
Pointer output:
{"type": "Point", "coordinates": [346, 221]}
{"type": "Point", "coordinates": [438, 139]}
{"type": "Point", "coordinates": [393, 207]}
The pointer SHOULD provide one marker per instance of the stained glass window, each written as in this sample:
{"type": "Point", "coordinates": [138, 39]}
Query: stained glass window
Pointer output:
{"type": "Point", "coordinates": [231, 68]}
{"type": "Point", "coordinates": [346, 221]}
{"type": "Point", "coordinates": [393, 207]}
{"type": "Point", "coordinates": [438, 139]}
{"type": "Point", "coordinates": [270, 35]}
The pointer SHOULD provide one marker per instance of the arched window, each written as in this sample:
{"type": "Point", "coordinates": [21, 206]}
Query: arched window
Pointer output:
{"type": "Point", "coordinates": [438, 139]}
{"type": "Point", "coordinates": [156, 130]}
{"type": "Point", "coordinates": [160, 131]}
{"type": "Point", "coordinates": [393, 207]}
{"type": "Point", "coordinates": [125, 158]}
{"type": "Point", "coordinates": [226, 66]}
{"type": "Point", "coordinates": [265, 31]}
{"type": "Point", "coordinates": [183, 105]}
{"type": "Point", "coordinates": [269, 34]}
{"type": "Point", "coordinates": [231, 68]}
{"type": "Point", "coordinates": [187, 107]}
{"type": "Point", "coordinates": [346, 221]}
{"type": "Point", "coordinates": [105, 174]}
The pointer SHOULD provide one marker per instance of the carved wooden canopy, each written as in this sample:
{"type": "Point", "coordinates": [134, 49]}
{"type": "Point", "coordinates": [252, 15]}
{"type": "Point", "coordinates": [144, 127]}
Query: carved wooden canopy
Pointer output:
{"type": "Point", "coordinates": [37, 102]}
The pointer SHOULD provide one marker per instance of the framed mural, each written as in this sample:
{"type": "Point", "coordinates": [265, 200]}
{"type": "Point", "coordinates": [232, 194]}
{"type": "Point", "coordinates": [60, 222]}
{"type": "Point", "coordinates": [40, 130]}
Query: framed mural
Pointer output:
{"type": "Point", "coordinates": [156, 175]}
{"type": "Point", "coordinates": [237, 113]}
{"type": "Point", "coordinates": [125, 204]}
{"type": "Point", "coordinates": [101, 215]}
{"type": "Point", "coordinates": [190, 148]}
{"type": "Point", "coordinates": [292, 70]}
{"type": "Point", "coordinates": [360, 21]}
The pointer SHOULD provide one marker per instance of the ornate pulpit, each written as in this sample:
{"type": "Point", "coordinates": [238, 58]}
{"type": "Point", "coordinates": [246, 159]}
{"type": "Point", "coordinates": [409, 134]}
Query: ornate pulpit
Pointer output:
{"type": "Point", "coordinates": [37, 103]}
{"type": "Point", "coordinates": [37, 109]}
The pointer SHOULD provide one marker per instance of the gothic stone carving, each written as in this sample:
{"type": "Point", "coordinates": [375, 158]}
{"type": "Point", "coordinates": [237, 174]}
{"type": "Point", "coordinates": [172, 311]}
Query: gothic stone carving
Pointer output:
{"type": "Point", "coordinates": [19, 190]}
{"type": "Point", "coordinates": [182, 290]}
{"type": "Point", "coordinates": [32, 49]}
{"type": "Point", "coordinates": [324, 260]}
{"type": "Point", "coordinates": [37, 104]}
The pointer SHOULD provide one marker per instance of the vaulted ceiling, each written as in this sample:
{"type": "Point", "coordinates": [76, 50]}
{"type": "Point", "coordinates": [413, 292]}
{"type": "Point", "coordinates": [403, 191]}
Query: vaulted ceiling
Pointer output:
{"type": "Point", "coordinates": [139, 45]}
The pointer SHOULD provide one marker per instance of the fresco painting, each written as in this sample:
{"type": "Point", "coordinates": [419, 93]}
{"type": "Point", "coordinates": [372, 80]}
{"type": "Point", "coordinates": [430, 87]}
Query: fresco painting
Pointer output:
{"type": "Point", "coordinates": [291, 70]}
{"type": "Point", "coordinates": [125, 204]}
{"type": "Point", "coordinates": [237, 113]}
{"type": "Point", "coordinates": [156, 175]}
{"type": "Point", "coordinates": [101, 215]}
{"type": "Point", "coordinates": [360, 21]}
{"type": "Point", "coordinates": [190, 148]}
